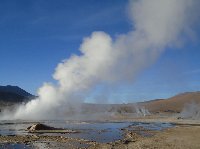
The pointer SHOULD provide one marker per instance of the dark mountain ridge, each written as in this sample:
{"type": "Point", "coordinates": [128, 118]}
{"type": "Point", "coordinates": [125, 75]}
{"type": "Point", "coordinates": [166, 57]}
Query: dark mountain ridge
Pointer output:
{"type": "Point", "coordinates": [14, 94]}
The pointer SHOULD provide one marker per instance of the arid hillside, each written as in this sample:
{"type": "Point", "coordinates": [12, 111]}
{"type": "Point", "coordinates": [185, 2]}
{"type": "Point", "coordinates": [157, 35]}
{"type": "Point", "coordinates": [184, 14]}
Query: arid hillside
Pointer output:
{"type": "Point", "coordinates": [173, 104]}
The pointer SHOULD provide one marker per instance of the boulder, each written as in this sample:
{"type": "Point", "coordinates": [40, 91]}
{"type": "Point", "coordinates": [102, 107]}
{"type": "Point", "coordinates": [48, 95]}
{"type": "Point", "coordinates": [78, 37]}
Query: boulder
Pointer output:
{"type": "Point", "coordinates": [39, 126]}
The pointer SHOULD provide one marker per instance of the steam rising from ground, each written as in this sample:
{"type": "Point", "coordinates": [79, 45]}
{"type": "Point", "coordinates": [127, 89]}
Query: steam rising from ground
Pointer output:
{"type": "Point", "coordinates": [141, 111]}
{"type": "Point", "coordinates": [157, 24]}
{"type": "Point", "coordinates": [191, 110]}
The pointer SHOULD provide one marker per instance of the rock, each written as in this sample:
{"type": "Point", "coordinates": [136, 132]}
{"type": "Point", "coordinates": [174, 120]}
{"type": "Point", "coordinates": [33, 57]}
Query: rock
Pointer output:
{"type": "Point", "coordinates": [127, 141]}
{"type": "Point", "coordinates": [35, 136]}
{"type": "Point", "coordinates": [39, 126]}
{"type": "Point", "coordinates": [28, 127]}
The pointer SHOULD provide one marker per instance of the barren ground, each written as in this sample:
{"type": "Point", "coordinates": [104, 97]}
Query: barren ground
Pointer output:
{"type": "Point", "coordinates": [185, 135]}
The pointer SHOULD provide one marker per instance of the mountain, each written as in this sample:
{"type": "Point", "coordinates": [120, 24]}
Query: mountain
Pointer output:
{"type": "Point", "coordinates": [14, 94]}
{"type": "Point", "coordinates": [14, 89]}
{"type": "Point", "coordinates": [173, 104]}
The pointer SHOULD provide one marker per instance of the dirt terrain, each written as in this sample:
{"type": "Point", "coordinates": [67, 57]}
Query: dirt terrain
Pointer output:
{"type": "Point", "coordinates": [183, 136]}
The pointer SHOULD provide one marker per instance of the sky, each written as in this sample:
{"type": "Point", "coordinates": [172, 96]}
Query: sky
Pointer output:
{"type": "Point", "coordinates": [36, 35]}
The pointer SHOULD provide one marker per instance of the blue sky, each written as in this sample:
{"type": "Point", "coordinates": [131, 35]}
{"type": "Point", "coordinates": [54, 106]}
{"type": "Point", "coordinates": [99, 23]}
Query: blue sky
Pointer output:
{"type": "Point", "coordinates": [36, 35]}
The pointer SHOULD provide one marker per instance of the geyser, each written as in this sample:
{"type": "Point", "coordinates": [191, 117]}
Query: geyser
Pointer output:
{"type": "Point", "coordinates": [157, 25]}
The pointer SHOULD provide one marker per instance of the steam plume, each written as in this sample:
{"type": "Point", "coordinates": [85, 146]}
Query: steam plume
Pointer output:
{"type": "Point", "coordinates": [191, 110]}
{"type": "Point", "coordinates": [157, 24]}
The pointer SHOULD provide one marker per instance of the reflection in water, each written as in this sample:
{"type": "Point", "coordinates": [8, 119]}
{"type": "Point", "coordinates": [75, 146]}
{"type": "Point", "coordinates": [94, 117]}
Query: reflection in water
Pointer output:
{"type": "Point", "coordinates": [94, 131]}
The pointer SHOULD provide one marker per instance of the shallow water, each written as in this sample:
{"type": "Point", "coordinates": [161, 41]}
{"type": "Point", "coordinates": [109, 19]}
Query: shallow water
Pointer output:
{"type": "Point", "coordinates": [144, 129]}
{"type": "Point", "coordinates": [15, 146]}
{"type": "Point", "coordinates": [103, 132]}
{"type": "Point", "coordinates": [93, 131]}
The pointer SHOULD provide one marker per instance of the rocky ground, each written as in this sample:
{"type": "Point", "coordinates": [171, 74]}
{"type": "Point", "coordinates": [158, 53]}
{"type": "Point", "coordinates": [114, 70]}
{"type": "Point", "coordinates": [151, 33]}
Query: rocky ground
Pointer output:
{"type": "Point", "coordinates": [185, 135]}
{"type": "Point", "coordinates": [179, 137]}
{"type": "Point", "coordinates": [31, 141]}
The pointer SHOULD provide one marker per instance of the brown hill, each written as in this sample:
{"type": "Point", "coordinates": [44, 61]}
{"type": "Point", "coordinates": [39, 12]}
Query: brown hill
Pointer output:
{"type": "Point", "coordinates": [173, 104]}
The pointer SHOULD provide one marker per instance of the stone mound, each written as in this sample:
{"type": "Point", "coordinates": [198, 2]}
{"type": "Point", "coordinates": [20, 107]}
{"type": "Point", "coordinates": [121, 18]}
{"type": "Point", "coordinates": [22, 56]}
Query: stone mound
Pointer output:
{"type": "Point", "coordinates": [39, 126]}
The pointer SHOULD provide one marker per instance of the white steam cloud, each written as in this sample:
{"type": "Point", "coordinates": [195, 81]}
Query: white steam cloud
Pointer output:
{"type": "Point", "coordinates": [156, 25]}
{"type": "Point", "coordinates": [191, 111]}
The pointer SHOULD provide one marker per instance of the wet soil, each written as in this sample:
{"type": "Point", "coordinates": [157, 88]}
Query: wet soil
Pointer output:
{"type": "Point", "coordinates": [150, 133]}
